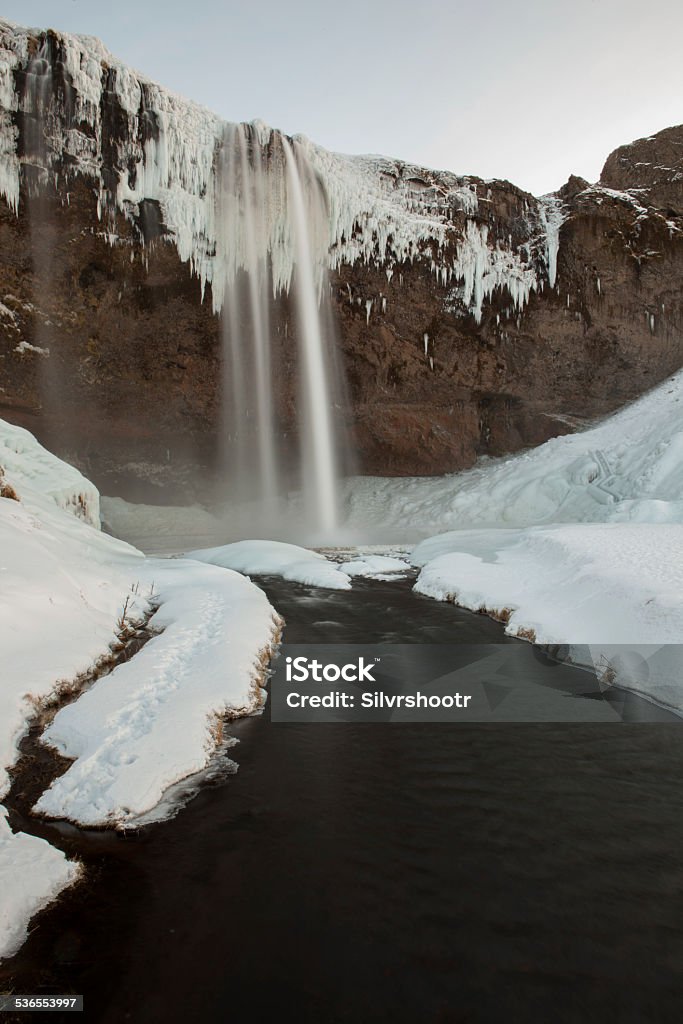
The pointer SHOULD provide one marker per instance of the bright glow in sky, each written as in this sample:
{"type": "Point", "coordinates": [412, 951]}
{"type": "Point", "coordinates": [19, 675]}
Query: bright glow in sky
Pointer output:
{"type": "Point", "coordinates": [532, 90]}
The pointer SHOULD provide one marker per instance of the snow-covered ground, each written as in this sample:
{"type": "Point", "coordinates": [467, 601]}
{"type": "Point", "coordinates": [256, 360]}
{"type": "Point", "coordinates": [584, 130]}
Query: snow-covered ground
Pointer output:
{"type": "Point", "coordinates": [163, 529]}
{"type": "Point", "coordinates": [153, 720]}
{"type": "Point", "coordinates": [271, 557]}
{"type": "Point", "coordinates": [63, 584]}
{"type": "Point", "coordinates": [595, 558]}
{"type": "Point", "coordinates": [301, 565]}
{"type": "Point", "coordinates": [608, 591]}
{"type": "Point", "coordinates": [32, 874]}
{"type": "Point", "coordinates": [376, 566]}
{"type": "Point", "coordinates": [32, 468]}
{"type": "Point", "coordinates": [628, 468]}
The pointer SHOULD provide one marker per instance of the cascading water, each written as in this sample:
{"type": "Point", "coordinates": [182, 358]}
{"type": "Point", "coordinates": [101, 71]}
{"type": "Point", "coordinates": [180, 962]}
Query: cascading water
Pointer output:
{"type": "Point", "coordinates": [273, 239]}
{"type": "Point", "coordinates": [319, 462]}
{"type": "Point", "coordinates": [247, 406]}
{"type": "Point", "coordinates": [37, 106]}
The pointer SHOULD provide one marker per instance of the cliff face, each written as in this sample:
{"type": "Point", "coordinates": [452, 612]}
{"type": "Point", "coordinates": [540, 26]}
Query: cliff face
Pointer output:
{"type": "Point", "coordinates": [472, 318]}
{"type": "Point", "coordinates": [611, 328]}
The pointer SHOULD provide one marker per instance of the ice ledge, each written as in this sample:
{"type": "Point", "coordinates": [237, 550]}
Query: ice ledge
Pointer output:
{"type": "Point", "coordinates": [138, 141]}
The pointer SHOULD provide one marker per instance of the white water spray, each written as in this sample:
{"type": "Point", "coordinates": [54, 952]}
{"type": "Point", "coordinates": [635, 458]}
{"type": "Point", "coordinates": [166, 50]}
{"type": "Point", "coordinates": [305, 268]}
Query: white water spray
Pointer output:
{"type": "Point", "coordinates": [273, 216]}
{"type": "Point", "coordinates": [319, 469]}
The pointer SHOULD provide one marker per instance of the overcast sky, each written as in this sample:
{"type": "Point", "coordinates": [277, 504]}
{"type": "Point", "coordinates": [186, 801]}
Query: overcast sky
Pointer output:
{"type": "Point", "coordinates": [530, 90]}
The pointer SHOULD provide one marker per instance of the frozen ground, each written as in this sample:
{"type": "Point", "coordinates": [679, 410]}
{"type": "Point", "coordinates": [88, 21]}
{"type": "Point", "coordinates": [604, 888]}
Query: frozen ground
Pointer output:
{"type": "Point", "coordinates": [628, 468]}
{"type": "Point", "coordinates": [63, 589]}
{"type": "Point", "coordinates": [271, 557]}
{"type": "Point", "coordinates": [32, 874]}
{"type": "Point", "coordinates": [162, 529]}
{"type": "Point", "coordinates": [596, 558]}
{"type": "Point", "coordinates": [154, 720]}
{"type": "Point", "coordinates": [301, 565]}
{"type": "Point", "coordinates": [375, 566]}
{"type": "Point", "coordinates": [612, 592]}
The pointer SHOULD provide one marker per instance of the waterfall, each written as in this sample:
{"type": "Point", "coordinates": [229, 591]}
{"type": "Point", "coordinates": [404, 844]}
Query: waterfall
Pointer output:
{"type": "Point", "coordinates": [39, 108]}
{"type": "Point", "coordinates": [248, 420]}
{"type": "Point", "coordinates": [273, 240]}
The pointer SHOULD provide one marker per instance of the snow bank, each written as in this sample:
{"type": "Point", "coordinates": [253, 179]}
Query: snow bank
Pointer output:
{"type": "Point", "coordinates": [30, 466]}
{"type": "Point", "coordinates": [32, 874]}
{"type": "Point", "coordinates": [61, 580]}
{"type": "Point", "coordinates": [600, 587]}
{"type": "Point", "coordinates": [162, 529]}
{"type": "Point", "coordinates": [63, 588]}
{"type": "Point", "coordinates": [275, 558]}
{"type": "Point", "coordinates": [70, 581]}
{"type": "Point", "coordinates": [628, 468]}
{"type": "Point", "coordinates": [153, 720]}
{"type": "Point", "coordinates": [376, 566]}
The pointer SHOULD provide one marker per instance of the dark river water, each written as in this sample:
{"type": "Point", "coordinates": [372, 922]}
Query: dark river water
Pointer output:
{"type": "Point", "coordinates": [384, 872]}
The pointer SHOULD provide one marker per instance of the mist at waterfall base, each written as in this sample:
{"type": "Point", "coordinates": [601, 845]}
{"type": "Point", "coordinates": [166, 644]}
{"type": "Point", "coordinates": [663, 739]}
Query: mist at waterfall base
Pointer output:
{"type": "Point", "coordinates": [273, 241]}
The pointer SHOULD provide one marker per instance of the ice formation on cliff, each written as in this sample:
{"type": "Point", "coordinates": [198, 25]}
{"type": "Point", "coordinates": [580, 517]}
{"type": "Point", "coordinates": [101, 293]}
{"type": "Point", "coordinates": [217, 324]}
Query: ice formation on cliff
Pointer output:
{"type": "Point", "coordinates": [141, 146]}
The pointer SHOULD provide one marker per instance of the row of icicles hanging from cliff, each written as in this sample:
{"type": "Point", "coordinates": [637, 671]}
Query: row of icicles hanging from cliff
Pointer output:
{"type": "Point", "coordinates": [272, 211]}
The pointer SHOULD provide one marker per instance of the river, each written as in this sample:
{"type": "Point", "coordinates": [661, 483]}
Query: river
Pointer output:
{"type": "Point", "coordinates": [387, 872]}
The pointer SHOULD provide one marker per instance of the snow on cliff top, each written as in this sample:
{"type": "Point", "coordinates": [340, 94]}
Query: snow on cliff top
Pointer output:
{"type": "Point", "coordinates": [380, 210]}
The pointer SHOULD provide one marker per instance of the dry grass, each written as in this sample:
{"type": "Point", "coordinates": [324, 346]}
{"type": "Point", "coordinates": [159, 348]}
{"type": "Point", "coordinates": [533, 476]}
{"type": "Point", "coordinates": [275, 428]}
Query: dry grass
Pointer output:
{"type": "Point", "coordinates": [499, 614]}
{"type": "Point", "coordinates": [217, 728]}
{"type": "Point", "coordinates": [524, 633]}
{"type": "Point", "coordinates": [6, 489]}
{"type": "Point", "coordinates": [130, 635]}
{"type": "Point", "coordinates": [257, 692]}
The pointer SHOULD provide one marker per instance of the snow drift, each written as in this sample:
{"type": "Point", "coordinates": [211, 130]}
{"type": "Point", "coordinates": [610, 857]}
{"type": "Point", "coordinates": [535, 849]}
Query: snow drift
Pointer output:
{"type": "Point", "coordinates": [628, 468]}
{"type": "Point", "coordinates": [605, 590]}
{"type": "Point", "coordinates": [271, 557]}
{"type": "Point", "coordinates": [154, 719]}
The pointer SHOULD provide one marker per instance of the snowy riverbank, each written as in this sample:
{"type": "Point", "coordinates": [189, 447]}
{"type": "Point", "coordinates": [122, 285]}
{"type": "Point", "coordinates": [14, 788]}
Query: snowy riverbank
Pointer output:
{"type": "Point", "coordinates": [66, 588]}
{"type": "Point", "coordinates": [611, 593]}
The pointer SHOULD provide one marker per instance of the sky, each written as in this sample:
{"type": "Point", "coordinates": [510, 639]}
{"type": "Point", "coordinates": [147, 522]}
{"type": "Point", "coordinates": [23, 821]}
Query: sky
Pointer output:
{"type": "Point", "coordinates": [529, 90]}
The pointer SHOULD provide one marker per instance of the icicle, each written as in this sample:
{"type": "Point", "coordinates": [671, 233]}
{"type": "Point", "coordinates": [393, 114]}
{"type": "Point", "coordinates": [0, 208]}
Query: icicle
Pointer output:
{"type": "Point", "coordinates": [368, 310]}
{"type": "Point", "coordinates": [426, 342]}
